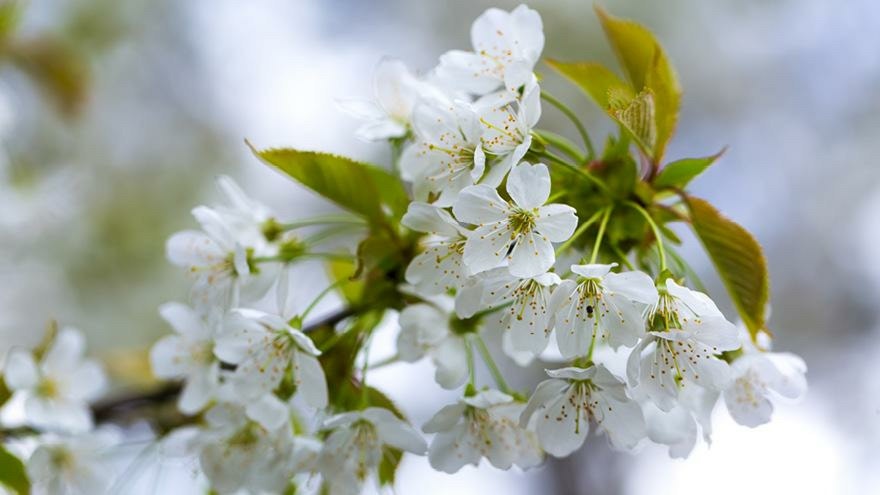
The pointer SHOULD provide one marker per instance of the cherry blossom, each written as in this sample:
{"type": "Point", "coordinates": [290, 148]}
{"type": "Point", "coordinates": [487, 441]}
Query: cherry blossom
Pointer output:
{"type": "Point", "coordinates": [507, 45]}
{"type": "Point", "coordinates": [566, 404]}
{"type": "Point", "coordinates": [601, 304]}
{"type": "Point", "coordinates": [519, 232]}
{"type": "Point", "coordinates": [439, 267]}
{"type": "Point", "coordinates": [484, 425]}
{"type": "Point", "coordinates": [354, 448]}
{"type": "Point", "coordinates": [690, 333]}
{"type": "Point", "coordinates": [58, 389]}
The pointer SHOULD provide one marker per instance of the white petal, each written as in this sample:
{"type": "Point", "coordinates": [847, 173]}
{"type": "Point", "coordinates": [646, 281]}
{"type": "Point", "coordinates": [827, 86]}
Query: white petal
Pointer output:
{"type": "Point", "coordinates": [593, 271]}
{"type": "Point", "coordinates": [198, 390]}
{"type": "Point", "coordinates": [269, 411]}
{"type": "Point", "coordinates": [487, 247]}
{"type": "Point", "coordinates": [529, 30]}
{"type": "Point", "coordinates": [532, 255]}
{"type": "Point", "coordinates": [86, 382]}
{"type": "Point", "coordinates": [192, 248]}
{"type": "Point", "coordinates": [21, 370]}
{"type": "Point", "coordinates": [310, 380]}
{"type": "Point", "coordinates": [429, 219]}
{"type": "Point", "coordinates": [634, 285]}
{"type": "Point", "coordinates": [445, 418]}
{"type": "Point", "coordinates": [480, 204]}
{"type": "Point", "coordinates": [450, 450]}
{"type": "Point", "coordinates": [393, 431]}
{"type": "Point", "coordinates": [362, 109]}
{"type": "Point", "coordinates": [529, 185]}
{"type": "Point", "coordinates": [65, 352]}
{"type": "Point", "coordinates": [450, 357]}
{"type": "Point", "coordinates": [379, 130]}
{"type": "Point", "coordinates": [622, 421]}
{"type": "Point", "coordinates": [184, 321]}
{"type": "Point", "coordinates": [791, 382]}
{"type": "Point", "coordinates": [544, 392]}
{"type": "Point", "coordinates": [562, 427]}
{"type": "Point", "coordinates": [556, 222]}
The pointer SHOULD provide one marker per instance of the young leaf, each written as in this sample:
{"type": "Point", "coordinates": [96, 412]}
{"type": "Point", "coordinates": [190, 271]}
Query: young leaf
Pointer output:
{"type": "Point", "coordinates": [359, 187]}
{"type": "Point", "coordinates": [646, 66]}
{"type": "Point", "coordinates": [13, 474]}
{"type": "Point", "coordinates": [739, 260]}
{"type": "Point", "coordinates": [594, 79]}
{"type": "Point", "coordinates": [637, 117]}
{"type": "Point", "coordinates": [679, 173]}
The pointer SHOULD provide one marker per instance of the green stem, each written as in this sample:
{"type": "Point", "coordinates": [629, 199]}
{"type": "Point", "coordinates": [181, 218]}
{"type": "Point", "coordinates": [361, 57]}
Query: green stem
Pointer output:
{"type": "Point", "coordinates": [323, 220]}
{"type": "Point", "coordinates": [490, 363]}
{"type": "Point", "coordinates": [574, 168]}
{"type": "Point", "coordinates": [580, 230]}
{"type": "Point", "coordinates": [600, 235]}
{"type": "Point", "coordinates": [561, 143]}
{"type": "Point", "coordinates": [472, 374]}
{"type": "Point", "coordinates": [320, 296]}
{"type": "Point", "coordinates": [364, 389]}
{"type": "Point", "coordinates": [385, 362]}
{"type": "Point", "coordinates": [574, 119]}
{"type": "Point", "coordinates": [620, 254]}
{"type": "Point", "coordinates": [658, 238]}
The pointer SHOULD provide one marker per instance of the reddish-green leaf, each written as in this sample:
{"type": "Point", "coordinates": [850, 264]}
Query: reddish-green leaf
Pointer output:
{"type": "Point", "coordinates": [739, 260]}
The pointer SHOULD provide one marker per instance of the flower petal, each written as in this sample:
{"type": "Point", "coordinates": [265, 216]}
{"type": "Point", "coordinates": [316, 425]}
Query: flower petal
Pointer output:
{"type": "Point", "coordinates": [529, 185]}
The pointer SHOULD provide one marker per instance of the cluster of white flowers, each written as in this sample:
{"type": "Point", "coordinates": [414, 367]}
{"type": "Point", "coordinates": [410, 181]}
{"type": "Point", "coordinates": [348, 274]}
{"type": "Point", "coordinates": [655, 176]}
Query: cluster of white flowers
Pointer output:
{"type": "Point", "coordinates": [51, 394]}
{"type": "Point", "coordinates": [271, 411]}
{"type": "Point", "coordinates": [487, 262]}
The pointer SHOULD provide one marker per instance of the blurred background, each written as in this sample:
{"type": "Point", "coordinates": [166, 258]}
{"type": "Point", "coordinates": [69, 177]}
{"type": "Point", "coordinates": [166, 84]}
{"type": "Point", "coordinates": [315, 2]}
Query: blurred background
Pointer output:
{"type": "Point", "coordinates": [116, 116]}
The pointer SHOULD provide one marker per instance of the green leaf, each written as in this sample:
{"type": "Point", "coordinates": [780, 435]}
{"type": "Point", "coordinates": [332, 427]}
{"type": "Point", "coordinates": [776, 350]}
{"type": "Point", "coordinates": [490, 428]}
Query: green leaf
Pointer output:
{"type": "Point", "coordinates": [594, 79]}
{"type": "Point", "coordinates": [646, 66]}
{"type": "Point", "coordinates": [13, 474]}
{"type": "Point", "coordinates": [679, 173]}
{"type": "Point", "coordinates": [739, 260]}
{"type": "Point", "coordinates": [363, 189]}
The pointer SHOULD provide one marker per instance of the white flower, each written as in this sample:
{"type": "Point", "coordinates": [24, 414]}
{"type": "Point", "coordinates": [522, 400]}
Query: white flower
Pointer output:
{"type": "Point", "coordinates": [353, 450]}
{"type": "Point", "coordinates": [507, 129]}
{"type": "Point", "coordinates": [439, 268]}
{"type": "Point", "coordinates": [485, 425]}
{"type": "Point", "coordinates": [520, 232]}
{"type": "Point", "coordinates": [57, 391]}
{"type": "Point", "coordinates": [758, 375]}
{"type": "Point", "coordinates": [688, 332]}
{"type": "Point", "coordinates": [72, 464]}
{"type": "Point", "coordinates": [265, 349]}
{"type": "Point", "coordinates": [244, 216]}
{"type": "Point", "coordinates": [215, 258]}
{"type": "Point", "coordinates": [447, 155]}
{"type": "Point", "coordinates": [679, 427]}
{"type": "Point", "coordinates": [528, 318]}
{"type": "Point", "coordinates": [237, 453]}
{"type": "Point", "coordinates": [425, 330]}
{"type": "Point", "coordinates": [601, 304]}
{"type": "Point", "coordinates": [507, 45]}
{"type": "Point", "coordinates": [189, 354]}
{"type": "Point", "coordinates": [396, 92]}
{"type": "Point", "coordinates": [565, 405]}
